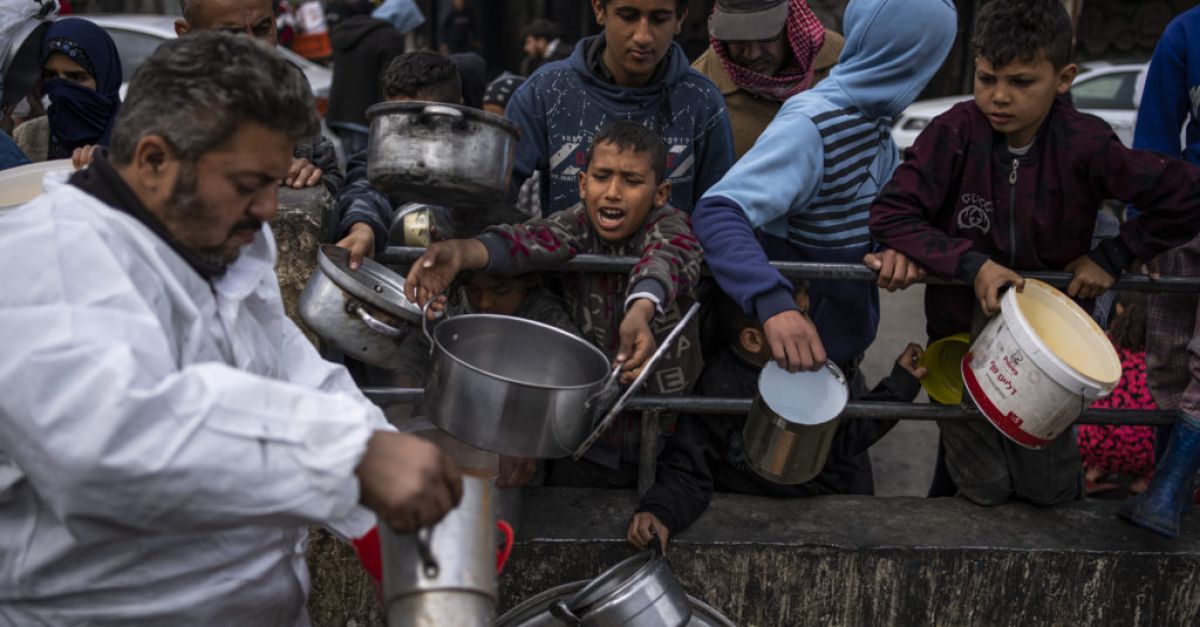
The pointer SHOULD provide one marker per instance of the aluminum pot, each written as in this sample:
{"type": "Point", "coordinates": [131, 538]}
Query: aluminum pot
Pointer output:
{"type": "Point", "coordinates": [440, 154]}
{"type": "Point", "coordinates": [445, 575]}
{"type": "Point", "coordinates": [535, 611]}
{"type": "Point", "coordinates": [792, 422]}
{"type": "Point", "coordinates": [361, 312]}
{"type": "Point", "coordinates": [640, 591]}
{"type": "Point", "coordinates": [513, 386]}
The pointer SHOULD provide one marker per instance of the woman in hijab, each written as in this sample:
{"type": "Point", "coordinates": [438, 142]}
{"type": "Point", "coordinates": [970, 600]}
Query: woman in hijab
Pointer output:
{"type": "Point", "coordinates": [81, 75]}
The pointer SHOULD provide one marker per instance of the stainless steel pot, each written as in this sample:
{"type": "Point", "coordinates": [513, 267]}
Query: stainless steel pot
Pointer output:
{"type": "Point", "coordinates": [640, 591]}
{"type": "Point", "coordinates": [441, 154]}
{"type": "Point", "coordinates": [792, 422]}
{"type": "Point", "coordinates": [513, 386]}
{"type": "Point", "coordinates": [535, 611]}
{"type": "Point", "coordinates": [362, 312]}
{"type": "Point", "coordinates": [445, 575]}
{"type": "Point", "coordinates": [412, 225]}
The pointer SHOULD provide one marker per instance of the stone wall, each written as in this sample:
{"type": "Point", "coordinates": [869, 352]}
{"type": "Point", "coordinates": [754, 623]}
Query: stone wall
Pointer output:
{"type": "Point", "coordinates": [873, 561]}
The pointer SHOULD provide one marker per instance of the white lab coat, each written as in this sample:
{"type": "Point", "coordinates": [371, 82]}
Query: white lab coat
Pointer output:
{"type": "Point", "coordinates": [164, 441]}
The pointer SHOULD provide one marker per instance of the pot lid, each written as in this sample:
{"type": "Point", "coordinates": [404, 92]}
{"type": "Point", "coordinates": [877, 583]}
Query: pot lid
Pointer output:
{"type": "Point", "coordinates": [417, 107]}
{"type": "Point", "coordinates": [373, 283]}
{"type": "Point", "coordinates": [806, 398]}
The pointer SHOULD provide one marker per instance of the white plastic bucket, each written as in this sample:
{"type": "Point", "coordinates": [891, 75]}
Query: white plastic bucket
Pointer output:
{"type": "Point", "coordinates": [1038, 364]}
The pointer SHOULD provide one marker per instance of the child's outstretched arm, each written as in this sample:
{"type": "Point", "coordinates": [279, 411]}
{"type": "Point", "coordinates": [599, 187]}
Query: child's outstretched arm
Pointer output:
{"type": "Point", "coordinates": [902, 217]}
{"type": "Point", "coordinates": [435, 270]}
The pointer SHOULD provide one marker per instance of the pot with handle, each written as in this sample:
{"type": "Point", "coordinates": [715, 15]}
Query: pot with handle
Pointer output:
{"type": "Point", "coordinates": [363, 312]}
{"type": "Point", "coordinates": [511, 385]}
{"type": "Point", "coordinates": [446, 574]}
{"type": "Point", "coordinates": [441, 154]}
{"type": "Point", "coordinates": [640, 591]}
{"type": "Point", "coordinates": [792, 422]}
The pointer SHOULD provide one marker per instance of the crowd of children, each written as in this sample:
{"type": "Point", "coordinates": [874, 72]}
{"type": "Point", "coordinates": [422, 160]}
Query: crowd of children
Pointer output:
{"type": "Point", "coordinates": [1008, 182]}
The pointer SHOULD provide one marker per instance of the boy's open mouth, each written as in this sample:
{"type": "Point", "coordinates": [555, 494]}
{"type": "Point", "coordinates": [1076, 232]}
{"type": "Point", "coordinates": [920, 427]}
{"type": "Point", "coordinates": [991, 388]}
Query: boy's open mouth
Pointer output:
{"type": "Point", "coordinates": [610, 219]}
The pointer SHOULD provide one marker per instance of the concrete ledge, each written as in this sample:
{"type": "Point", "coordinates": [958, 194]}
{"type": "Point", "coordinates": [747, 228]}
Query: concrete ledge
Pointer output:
{"type": "Point", "coordinates": [879, 561]}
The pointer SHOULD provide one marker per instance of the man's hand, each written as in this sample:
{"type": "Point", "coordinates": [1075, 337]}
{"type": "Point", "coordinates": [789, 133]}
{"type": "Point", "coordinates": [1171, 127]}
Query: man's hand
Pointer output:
{"type": "Point", "coordinates": [794, 342]}
{"type": "Point", "coordinates": [896, 272]}
{"type": "Point", "coordinates": [407, 481]}
{"type": "Point", "coordinates": [910, 360]}
{"type": "Point", "coordinates": [1090, 279]}
{"type": "Point", "coordinates": [435, 270]}
{"type": "Point", "coordinates": [82, 157]}
{"type": "Point", "coordinates": [643, 528]}
{"type": "Point", "coordinates": [515, 471]}
{"type": "Point", "coordinates": [991, 279]}
{"type": "Point", "coordinates": [637, 340]}
{"type": "Point", "coordinates": [302, 174]}
{"type": "Point", "coordinates": [360, 241]}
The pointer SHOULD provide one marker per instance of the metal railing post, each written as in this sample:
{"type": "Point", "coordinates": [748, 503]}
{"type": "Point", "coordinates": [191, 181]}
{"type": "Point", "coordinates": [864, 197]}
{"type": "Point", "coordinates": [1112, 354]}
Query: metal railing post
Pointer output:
{"type": "Point", "coordinates": [648, 452]}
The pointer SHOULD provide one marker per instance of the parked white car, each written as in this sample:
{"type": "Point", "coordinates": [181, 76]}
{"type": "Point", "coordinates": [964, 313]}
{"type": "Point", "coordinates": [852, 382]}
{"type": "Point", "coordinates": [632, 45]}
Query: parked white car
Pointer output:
{"type": "Point", "coordinates": [1111, 91]}
{"type": "Point", "coordinates": [137, 36]}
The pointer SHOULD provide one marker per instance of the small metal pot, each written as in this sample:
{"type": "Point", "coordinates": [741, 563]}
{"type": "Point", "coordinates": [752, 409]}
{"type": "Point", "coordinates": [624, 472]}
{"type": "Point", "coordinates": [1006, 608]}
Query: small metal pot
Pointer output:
{"type": "Point", "coordinates": [640, 591]}
{"type": "Point", "coordinates": [513, 386]}
{"type": "Point", "coordinates": [361, 312]}
{"type": "Point", "coordinates": [792, 422]}
{"type": "Point", "coordinates": [440, 154]}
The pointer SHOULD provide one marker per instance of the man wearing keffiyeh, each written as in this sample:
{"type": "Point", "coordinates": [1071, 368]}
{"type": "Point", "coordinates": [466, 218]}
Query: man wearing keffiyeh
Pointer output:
{"type": "Point", "coordinates": [763, 52]}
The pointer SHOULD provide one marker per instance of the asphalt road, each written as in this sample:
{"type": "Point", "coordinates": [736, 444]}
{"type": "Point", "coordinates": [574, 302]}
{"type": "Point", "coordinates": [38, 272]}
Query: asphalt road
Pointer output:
{"type": "Point", "coordinates": [904, 458]}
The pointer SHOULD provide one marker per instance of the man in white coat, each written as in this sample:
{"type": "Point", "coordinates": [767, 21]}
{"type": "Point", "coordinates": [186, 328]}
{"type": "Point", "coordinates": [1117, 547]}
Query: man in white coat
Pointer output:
{"type": "Point", "coordinates": [166, 433]}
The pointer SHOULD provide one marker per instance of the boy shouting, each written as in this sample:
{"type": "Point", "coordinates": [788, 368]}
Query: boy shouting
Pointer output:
{"type": "Point", "coordinates": [624, 211]}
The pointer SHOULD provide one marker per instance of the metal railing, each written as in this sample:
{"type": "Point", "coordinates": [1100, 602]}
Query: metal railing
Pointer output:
{"type": "Point", "coordinates": [652, 407]}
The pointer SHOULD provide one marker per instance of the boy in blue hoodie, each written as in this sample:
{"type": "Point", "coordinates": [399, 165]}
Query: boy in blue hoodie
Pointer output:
{"type": "Point", "coordinates": [1170, 101]}
{"type": "Point", "coordinates": [809, 181]}
{"type": "Point", "coordinates": [631, 71]}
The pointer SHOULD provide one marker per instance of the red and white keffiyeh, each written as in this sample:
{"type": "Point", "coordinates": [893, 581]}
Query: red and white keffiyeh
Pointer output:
{"type": "Point", "coordinates": [805, 36]}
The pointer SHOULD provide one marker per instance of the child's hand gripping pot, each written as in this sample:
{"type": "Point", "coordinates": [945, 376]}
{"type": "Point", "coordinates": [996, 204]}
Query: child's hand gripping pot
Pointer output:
{"type": "Point", "coordinates": [637, 340]}
{"type": "Point", "coordinates": [435, 270]}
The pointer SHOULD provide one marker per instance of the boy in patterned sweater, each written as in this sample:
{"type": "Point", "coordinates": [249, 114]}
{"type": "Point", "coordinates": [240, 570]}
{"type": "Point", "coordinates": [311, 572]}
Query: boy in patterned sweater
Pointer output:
{"type": "Point", "coordinates": [624, 211]}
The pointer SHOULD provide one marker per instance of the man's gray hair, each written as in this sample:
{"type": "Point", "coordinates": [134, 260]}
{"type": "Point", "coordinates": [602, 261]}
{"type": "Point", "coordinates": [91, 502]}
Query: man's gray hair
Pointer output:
{"type": "Point", "coordinates": [196, 91]}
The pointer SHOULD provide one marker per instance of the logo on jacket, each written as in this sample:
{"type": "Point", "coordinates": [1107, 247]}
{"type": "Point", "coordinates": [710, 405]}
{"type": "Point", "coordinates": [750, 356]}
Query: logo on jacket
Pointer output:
{"type": "Point", "coordinates": [976, 213]}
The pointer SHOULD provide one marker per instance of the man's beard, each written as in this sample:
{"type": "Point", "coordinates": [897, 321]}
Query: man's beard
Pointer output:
{"type": "Point", "coordinates": [187, 213]}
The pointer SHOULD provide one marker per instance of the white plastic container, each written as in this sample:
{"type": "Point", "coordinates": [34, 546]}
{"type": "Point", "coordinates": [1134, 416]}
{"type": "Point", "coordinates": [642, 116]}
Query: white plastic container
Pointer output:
{"type": "Point", "coordinates": [23, 183]}
{"type": "Point", "coordinates": [1038, 364]}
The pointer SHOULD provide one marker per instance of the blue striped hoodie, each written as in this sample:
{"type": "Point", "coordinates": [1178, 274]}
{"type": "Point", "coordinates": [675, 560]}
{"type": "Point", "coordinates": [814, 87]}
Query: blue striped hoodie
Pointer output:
{"type": "Point", "coordinates": [810, 179]}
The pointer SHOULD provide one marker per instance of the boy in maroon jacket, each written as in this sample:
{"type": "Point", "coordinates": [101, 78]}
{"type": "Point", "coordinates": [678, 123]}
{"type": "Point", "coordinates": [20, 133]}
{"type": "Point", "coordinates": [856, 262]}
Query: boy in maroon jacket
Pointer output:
{"type": "Point", "coordinates": [1012, 181]}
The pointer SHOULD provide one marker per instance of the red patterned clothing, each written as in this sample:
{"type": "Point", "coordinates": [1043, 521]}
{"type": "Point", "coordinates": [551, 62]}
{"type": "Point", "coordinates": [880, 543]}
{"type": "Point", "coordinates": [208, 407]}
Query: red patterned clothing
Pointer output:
{"type": "Point", "coordinates": [1122, 449]}
{"type": "Point", "coordinates": [669, 269]}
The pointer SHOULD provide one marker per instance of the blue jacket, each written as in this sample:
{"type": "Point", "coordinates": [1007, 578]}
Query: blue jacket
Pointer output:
{"type": "Point", "coordinates": [564, 103]}
{"type": "Point", "coordinates": [811, 177]}
{"type": "Point", "coordinates": [10, 155]}
{"type": "Point", "coordinates": [1171, 97]}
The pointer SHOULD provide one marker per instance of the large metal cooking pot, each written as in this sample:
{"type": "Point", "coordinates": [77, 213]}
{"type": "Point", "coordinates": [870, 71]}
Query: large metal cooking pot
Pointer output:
{"type": "Point", "coordinates": [535, 611]}
{"type": "Point", "coordinates": [513, 386]}
{"type": "Point", "coordinates": [640, 591]}
{"type": "Point", "coordinates": [441, 154]}
{"type": "Point", "coordinates": [792, 422]}
{"type": "Point", "coordinates": [445, 575]}
{"type": "Point", "coordinates": [362, 312]}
